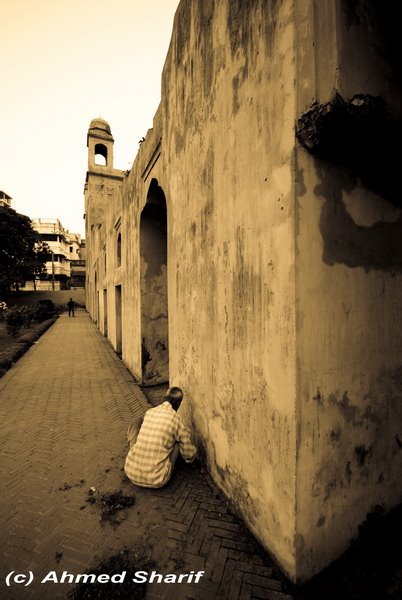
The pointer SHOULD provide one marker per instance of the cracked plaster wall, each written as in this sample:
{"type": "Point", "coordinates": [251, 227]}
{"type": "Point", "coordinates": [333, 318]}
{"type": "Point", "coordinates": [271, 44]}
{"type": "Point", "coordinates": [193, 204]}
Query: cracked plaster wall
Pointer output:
{"type": "Point", "coordinates": [227, 148]}
{"type": "Point", "coordinates": [348, 299]}
{"type": "Point", "coordinates": [283, 294]}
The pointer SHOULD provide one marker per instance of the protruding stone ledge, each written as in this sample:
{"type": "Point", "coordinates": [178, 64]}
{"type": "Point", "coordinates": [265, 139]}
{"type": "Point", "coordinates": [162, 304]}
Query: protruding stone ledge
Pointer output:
{"type": "Point", "coordinates": [358, 134]}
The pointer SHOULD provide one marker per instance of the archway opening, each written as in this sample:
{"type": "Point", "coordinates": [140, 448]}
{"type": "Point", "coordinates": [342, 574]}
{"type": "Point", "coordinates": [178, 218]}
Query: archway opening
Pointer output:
{"type": "Point", "coordinates": [118, 250]}
{"type": "Point", "coordinates": [96, 299]}
{"type": "Point", "coordinates": [100, 155]}
{"type": "Point", "coordinates": [154, 292]}
{"type": "Point", "coordinates": [119, 327]}
{"type": "Point", "coordinates": [105, 312]}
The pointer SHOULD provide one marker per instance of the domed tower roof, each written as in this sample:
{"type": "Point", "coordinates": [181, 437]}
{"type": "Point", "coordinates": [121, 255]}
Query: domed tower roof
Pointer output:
{"type": "Point", "coordinates": [100, 128]}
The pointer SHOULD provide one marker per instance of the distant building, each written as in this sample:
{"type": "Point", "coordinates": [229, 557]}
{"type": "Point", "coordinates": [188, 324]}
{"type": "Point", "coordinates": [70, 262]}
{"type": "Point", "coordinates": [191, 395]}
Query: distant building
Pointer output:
{"type": "Point", "coordinates": [77, 268]}
{"type": "Point", "coordinates": [66, 268]}
{"type": "Point", "coordinates": [5, 199]}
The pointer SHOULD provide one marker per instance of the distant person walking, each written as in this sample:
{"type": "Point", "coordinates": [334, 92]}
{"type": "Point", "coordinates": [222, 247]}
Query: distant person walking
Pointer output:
{"type": "Point", "coordinates": [71, 306]}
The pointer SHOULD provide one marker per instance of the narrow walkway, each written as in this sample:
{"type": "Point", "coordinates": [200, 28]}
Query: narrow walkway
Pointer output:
{"type": "Point", "coordinates": [64, 409]}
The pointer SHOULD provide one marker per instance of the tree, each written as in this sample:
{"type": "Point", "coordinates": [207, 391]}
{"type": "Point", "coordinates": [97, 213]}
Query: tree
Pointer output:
{"type": "Point", "coordinates": [22, 252]}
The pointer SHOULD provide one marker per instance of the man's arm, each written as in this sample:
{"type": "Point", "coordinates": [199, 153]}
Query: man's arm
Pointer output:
{"type": "Point", "coordinates": [187, 450]}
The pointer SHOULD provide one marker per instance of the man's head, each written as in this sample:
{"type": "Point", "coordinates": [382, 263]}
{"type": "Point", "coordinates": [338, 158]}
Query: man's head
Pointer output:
{"type": "Point", "coordinates": [174, 395]}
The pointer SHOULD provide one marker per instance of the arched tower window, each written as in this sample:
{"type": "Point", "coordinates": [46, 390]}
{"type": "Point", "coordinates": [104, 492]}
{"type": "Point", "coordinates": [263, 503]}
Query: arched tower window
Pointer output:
{"type": "Point", "coordinates": [100, 154]}
{"type": "Point", "coordinates": [118, 250]}
{"type": "Point", "coordinates": [100, 145]}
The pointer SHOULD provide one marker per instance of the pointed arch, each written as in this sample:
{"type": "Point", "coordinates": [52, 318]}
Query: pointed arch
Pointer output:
{"type": "Point", "coordinates": [154, 287]}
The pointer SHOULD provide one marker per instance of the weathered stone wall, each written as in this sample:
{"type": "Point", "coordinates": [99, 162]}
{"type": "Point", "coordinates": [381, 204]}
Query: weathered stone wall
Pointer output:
{"type": "Point", "coordinates": [101, 193]}
{"type": "Point", "coordinates": [282, 277]}
{"type": "Point", "coordinates": [225, 166]}
{"type": "Point", "coordinates": [227, 148]}
{"type": "Point", "coordinates": [348, 297]}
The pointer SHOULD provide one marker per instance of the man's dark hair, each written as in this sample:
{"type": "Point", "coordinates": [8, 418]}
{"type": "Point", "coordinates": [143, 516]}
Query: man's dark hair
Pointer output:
{"type": "Point", "coordinates": [174, 395]}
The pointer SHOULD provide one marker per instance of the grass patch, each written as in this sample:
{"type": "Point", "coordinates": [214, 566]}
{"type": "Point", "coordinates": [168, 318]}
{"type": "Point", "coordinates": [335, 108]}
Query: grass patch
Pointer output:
{"type": "Point", "coordinates": [12, 349]}
{"type": "Point", "coordinates": [111, 505]}
{"type": "Point", "coordinates": [125, 560]}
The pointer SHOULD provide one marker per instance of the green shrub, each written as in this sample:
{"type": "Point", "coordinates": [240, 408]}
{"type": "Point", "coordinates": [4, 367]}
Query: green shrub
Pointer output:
{"type": "Point", "coordinates": [28, 312]}
{"type": "Point", "coordinates": [14, 321]}
{"type": "Point", "coordinates": [3, 310]}
{"type": "Point", "coordinates": [50, 305]}
{"type": "Point", "coordinates": [44, 309]}
{"type": "Point", "coordinates": [6, 360]}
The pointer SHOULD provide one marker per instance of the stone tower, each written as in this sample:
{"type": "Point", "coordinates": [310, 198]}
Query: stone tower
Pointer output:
{"type": "Point", "coordinates": [102, 185]}
{"type": "Point", "coordinates": [100, 144]}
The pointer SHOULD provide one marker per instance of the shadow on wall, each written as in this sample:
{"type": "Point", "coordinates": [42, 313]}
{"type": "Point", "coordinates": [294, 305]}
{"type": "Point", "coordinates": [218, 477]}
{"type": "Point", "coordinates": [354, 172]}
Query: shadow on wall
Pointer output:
{"type": "Point", "coordinates": [346, 241]}
{"type": "Point", "coordinates": [356, 142]}
{"type": "Point", "coordinates": [369, 570]}
{"type": "Point", "coordinates": [359, 135]}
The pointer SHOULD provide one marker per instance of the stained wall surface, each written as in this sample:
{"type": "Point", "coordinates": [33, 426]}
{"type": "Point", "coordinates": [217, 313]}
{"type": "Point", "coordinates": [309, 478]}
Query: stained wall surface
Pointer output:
{"type": "Point", "coordinates": [280, 334]}
{"type": "Point", "coordinates": [228, 147]}
{"type": "Point", "coordinates": [230, 271]}
{"type": "Point", "coordinates": [348, 297]}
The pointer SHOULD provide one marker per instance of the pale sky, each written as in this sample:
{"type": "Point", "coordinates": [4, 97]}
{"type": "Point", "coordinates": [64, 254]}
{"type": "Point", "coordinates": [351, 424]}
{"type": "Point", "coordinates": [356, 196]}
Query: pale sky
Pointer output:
{"type": "Point", "coordinates": [63, 63]}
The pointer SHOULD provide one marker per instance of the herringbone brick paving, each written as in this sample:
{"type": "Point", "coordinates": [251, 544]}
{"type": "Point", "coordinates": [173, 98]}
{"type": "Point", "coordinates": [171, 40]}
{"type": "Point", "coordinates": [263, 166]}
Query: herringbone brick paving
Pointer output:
{"type": "Point", "coordinates": [64, 410]}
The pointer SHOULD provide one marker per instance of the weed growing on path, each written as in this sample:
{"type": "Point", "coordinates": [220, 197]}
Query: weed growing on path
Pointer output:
{"type": "Point", "coordinates": [125, 560]}
{"type": "Point", "coordinates": [110, 503]}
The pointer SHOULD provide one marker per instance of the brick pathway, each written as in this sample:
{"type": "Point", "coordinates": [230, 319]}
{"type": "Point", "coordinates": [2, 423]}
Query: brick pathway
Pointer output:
{"type": "Point", "coordinates": [64, 409]}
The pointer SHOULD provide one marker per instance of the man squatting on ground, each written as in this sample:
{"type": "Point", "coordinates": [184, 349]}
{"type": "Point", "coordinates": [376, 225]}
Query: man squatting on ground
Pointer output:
{"type": "Point", "coordinates": [155, 442]}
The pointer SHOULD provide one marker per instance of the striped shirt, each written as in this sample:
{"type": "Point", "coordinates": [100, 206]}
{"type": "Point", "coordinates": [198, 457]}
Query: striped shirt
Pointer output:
{"type": "Point", "coordinates": [148, 462]}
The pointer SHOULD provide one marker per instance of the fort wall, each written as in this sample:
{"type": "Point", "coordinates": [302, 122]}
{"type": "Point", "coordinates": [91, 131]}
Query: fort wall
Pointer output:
{"type": "Point", "coordinates": [260, 273]}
